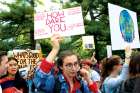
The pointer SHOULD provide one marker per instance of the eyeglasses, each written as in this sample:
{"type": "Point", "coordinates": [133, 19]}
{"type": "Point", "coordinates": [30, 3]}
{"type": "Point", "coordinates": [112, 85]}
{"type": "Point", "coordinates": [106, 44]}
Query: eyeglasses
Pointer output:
{"type": "Point", "coordinates": [70, 65]}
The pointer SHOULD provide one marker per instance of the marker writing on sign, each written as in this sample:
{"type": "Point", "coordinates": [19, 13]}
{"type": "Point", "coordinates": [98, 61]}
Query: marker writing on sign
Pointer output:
{"type": "Point", "coordinates": [55, 21]}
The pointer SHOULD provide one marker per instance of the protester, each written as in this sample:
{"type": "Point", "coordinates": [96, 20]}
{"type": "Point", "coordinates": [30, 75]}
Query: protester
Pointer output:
{"type": "Point", "coordinates": [87, 64]}
{"type": "Point", "coordinates": [3, 65]}
{"type": "Point", "coordinates": [66, 81]}
{"type": "Point", "coordinates": [110, 72]}
{"type": "Point", "coordinates": [12, 81]}
{"type": "Point", "coordinates": [131, 85]}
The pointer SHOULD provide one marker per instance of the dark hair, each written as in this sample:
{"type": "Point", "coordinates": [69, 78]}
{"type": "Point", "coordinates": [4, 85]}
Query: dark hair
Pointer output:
{"type": "Point", "coordinates": [12, 58]}
{"type": "Point", "coordinates": [108, 64]}
{"type": "Point", "coordinates": [64, 54]}
{"type": "Point", "coordinates": [2, 53]}
{"type": "Point", "coordinates": [19, 81]}
{"type": "Point", "coordinates": [134, 66]}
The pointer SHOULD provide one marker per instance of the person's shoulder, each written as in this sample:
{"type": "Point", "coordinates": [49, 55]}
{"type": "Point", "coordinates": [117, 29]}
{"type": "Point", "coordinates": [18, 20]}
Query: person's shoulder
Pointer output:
{"type": "Point", "coordinates": [131, 81]}
{"type": "Point", "coordinates": [5, 79]}
{"type": "Point", "coordinates": [94, 72]}
{"type": "Point", "coordinates": [111, 80]}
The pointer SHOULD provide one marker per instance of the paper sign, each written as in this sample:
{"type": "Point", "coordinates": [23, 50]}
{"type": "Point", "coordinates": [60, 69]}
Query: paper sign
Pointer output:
{"type": "Point", "coordinates": [109, 51]}
{"type": "Point", "coordinates": [24, 72]}
{"type": "Point", "coordinates": [88, 42]}
{"type": "Point", "coordinates": [27, 61]}
{"type": "Point", "coordinates": [66, 22]}
{"type": "Point", "coordinates": [124, 28]}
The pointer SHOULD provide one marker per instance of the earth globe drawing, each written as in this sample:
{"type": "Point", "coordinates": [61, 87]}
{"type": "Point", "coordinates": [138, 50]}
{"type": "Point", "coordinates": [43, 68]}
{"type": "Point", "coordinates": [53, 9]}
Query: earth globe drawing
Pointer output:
{"type": "Point", "coordinates": [126, 26]}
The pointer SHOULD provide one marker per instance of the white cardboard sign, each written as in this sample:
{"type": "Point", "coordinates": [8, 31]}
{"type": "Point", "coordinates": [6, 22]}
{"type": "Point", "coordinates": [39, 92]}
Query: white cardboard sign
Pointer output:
{"type": "Point", "coordinates": [66, 22]}
{"type": "Point", "coordinates": [124, 28]}
{"type": "Point", "coordinates": [109, 51]}
{"type": "Point", "coordinates": [88, 42]}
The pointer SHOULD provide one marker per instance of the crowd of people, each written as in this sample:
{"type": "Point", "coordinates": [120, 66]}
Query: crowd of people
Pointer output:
{"type": "Point", "coordinates": [70, 74]}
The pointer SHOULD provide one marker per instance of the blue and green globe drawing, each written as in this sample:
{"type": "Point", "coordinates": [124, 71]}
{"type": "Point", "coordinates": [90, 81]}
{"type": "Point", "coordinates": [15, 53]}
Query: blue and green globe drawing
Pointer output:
{"type": "Point", "coordinates": [126, 26]}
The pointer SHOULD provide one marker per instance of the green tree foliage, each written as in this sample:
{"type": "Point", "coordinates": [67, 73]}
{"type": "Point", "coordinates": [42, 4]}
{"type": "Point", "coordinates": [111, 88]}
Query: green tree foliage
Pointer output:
{"type": "Point", "coordinates": [98, 26]}
{"type": "Point", "coordinates": [17, 23]}
{"type": "Point", "coordinates": [99, 23]}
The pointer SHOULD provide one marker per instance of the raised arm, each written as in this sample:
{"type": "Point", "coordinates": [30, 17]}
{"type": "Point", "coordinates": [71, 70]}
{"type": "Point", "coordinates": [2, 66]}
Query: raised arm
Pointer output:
{"type": "Point", "coordinates": [93, 59]}
{"type": "Point", "coordinates": [128, 52]}
{"type": "Point", "coordinates": [47, 64]}
{"type": "Point", "coordinates": [55, 42]}
{"type": "Point", "coordinates": [124, 73]}
{"type": "Point", "coordinates": [43, 78]}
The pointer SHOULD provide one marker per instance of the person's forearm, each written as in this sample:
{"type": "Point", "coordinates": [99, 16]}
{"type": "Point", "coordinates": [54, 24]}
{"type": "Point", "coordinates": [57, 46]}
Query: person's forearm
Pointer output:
{"type": "Point", "coordinates": [127, 60]}
{"type": "Point", "coordinates": [128, 52]}
{"type": "Point", "coordinates": [52, 54]}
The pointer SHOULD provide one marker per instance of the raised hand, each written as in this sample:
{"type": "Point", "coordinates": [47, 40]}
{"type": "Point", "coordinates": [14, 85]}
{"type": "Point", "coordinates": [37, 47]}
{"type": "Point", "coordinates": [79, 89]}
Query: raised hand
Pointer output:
{"type": "Point", "coordinates": [55, 41]}
{"type": "Point", "coordinates": [85, 75]}
{"type": "Point", "coordinates": [93, 59]}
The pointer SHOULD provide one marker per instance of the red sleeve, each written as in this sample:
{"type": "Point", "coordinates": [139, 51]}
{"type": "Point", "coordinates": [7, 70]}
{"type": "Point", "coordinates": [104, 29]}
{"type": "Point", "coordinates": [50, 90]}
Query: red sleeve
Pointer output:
{"type": "Point", "coordinates": [93, 87]}
{"type": "Point", "coordinates": [46, 66]}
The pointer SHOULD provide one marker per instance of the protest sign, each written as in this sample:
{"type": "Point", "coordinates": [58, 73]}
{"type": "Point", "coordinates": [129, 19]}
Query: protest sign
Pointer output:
{"type": "Point", "coordinates": [88, 42]}
{"type": "Point", "coordinates": [66, 22]}
{"type": "Point", "coordinates": [27, 61]}
{"type": "Point", "coordinates": [124, 27]}
{"type": "Point", "coordinates": [109, 51]}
